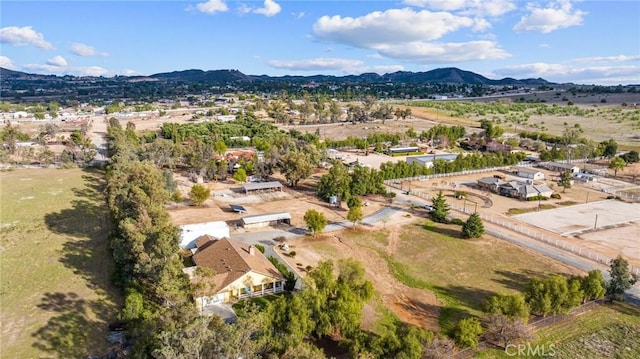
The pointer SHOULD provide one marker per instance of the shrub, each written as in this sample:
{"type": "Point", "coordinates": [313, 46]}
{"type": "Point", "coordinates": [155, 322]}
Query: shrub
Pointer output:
{"type": "Point", "coordinates": [457, 221]}
{"type": "Point", "coordinates": [537, 198]}
{"type": "Point", "coordinates": [292, 254]}
{"type": "Point", "coordinates": [556, 196]}
{"type": "Point", "coordinates": [260, 247]}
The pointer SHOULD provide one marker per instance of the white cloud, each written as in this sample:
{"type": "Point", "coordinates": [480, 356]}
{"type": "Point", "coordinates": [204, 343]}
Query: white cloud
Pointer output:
{"type": "Point", "coordinates": [557, 15]}
{"type": "Point", "coordinates": [58, 61]}
{"type": "Point", "coordinates": [298, 15]}
{"type": "Point", "coordinates": [85, 50]}
{"type": "Point", "coordinates": [6, 63]}
{"type": "Point", "coordinates": [424, 52]}
{"type": "Point", "coordinates": [211, 6]}
{"type": "Point", "coordinates": [270, 8]}
{"type": "Point", "coordinates": [608, 59]}
{"type": "Point", "coordinates": [345, 66]}
{"type": "Point", "coordinates": [562, 73]}
{"type": "Point", "coordinates": [23, 36]}
{"type": "Point", "coordinates": [91, 71]}
{"type": "Point", "coordinates": [315, 64]}
{"type": "Point", "coordinates": [491, 8]}
{"type": "Point", "coordinates": [393, 26]}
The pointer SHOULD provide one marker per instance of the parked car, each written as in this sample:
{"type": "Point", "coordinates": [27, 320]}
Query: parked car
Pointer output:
{"type": "Point", "coordinates": [429, 207]}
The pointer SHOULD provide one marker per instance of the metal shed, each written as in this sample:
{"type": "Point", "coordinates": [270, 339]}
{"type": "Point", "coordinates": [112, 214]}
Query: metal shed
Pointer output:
{"type": "Point", "coordinates": [262, 186]}
{"type": "Point", "coordinates": [263, 220]}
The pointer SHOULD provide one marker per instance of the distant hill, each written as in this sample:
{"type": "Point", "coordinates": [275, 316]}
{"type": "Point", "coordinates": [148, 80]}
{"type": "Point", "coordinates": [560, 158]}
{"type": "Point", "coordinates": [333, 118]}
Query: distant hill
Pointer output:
{"type": "Point", "coordinates": [449, 75]}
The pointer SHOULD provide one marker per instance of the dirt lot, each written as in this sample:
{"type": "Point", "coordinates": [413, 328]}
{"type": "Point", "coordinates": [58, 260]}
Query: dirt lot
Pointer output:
{"type": "Point", "coordinates": [412, 305]}
{"type": "Point", "coordinates": [294, 201]}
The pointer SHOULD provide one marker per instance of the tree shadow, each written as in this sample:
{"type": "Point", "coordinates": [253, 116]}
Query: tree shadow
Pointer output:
{"type": "Point", "coordinates": [517, 280]}
{"type": "Point", "coordinates": [467, 296]}
{"type": "Point", "coordinates": [75, 329]}
{"type": "Point", "coordinates": [449, 230]}
{"type": "Point", "coordinates": [77, 326]}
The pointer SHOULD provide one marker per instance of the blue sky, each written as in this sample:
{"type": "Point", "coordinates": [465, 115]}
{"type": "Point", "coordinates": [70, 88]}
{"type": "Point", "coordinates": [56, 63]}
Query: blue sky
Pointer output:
{"type": "Point", "coordinates": [587, 42]}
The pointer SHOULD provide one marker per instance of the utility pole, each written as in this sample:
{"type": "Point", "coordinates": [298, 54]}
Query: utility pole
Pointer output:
{"type": "Point", "coordinates": [595, 223]}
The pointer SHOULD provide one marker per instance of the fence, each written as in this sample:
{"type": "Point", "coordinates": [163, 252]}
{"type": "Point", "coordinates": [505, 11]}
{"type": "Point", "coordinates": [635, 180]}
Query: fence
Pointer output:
{"type": "Point", "coordinates": [534, 325]}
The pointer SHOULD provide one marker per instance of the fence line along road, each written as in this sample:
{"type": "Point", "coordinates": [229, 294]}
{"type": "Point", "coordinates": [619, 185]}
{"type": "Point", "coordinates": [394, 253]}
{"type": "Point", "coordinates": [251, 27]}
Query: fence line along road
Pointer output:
{"type": "Point", "coordinates": [581, 252]}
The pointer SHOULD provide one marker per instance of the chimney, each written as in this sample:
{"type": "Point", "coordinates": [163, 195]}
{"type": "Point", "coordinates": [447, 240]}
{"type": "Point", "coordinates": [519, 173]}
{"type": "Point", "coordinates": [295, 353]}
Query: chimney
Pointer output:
{"type": "Point", "coordinates": [252, 250]}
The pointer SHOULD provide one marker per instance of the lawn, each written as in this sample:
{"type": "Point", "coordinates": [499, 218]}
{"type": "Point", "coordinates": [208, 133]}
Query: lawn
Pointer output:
{"type": "Point", "coordinates": [462, 273]}
{"type": "Point", "coordinates": [55, 264]}
{"type": "Point", "coordinates": [608, 331]}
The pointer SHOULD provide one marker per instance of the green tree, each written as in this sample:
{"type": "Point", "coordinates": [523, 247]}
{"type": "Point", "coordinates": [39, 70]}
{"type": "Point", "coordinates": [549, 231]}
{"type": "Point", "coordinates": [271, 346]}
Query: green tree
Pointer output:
{"type": "Point", "coordinates": [467, 331]}
{"type": "Point", "coordinates": [355, 215]}
{"type": "Point", "coordinates": [621, 279]}
{"type": "Point", "coordinates": [552, 295]}
{"type": "Point", "coordinates": [565, 180]}
{"type": "Point", "coordinates": [512, 306]}
{"type": "Point", "coordinates": [593, 285]}
{"type": "Point", "coordinates": [473, 227]}
{"type": "Point", "coordinates": [609, 148]}
{"type": "Point", "coordinates": [336, 182]}
{"type": "Point", "coordinates": [199, 194]}
{"type": "Point", "coordinates": [616, 164]}
{"type": "Point", "coordinates": [220, 147]}
{"type": "Point", "coordinates": [441, 208]}
{"type": "Point", "coordinates": [316, 221]}
{"type": "Point", "coordinates": [296, 166]}
{"type": "Point", "coordinates": [240, 175]}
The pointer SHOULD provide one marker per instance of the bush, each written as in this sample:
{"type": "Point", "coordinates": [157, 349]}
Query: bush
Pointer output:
{"type": "Point", "coordinates": [292, 254]}
{"type": "Point", "coordinates": [556, 196]}
{"type": "Point", "coordinates": [260, 248]}
{"type": "Point", "coordinates": [537, 198]}
{"type": "Point", "coordinates": [457, 221]}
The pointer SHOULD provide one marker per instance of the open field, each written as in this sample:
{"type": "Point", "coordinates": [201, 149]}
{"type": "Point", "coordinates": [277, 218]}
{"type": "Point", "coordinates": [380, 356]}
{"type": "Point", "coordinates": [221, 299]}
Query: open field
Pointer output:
{"type": "Point", "coordinates": [408, 264]}
{"type": "Point", "coordinates": [55, 264]}
{"type": "Point", "coordinates": [607, 331]}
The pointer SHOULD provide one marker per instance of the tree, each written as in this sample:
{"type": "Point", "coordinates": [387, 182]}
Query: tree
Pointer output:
{"type": "Point", "coordinates": [512, 306]}
{"type": "Point", "coordinates": [220, 147]}
{"type": "Point", "coordinates": [609, 148]}
{"type": "Point", "coordinates": [616, 164]}
{"type": "Point", "coordinates": [240, 175]}
{"type": "Point", "coordinates": [441, 208]}
{"type": "Point", "coordinates": [631, 157]}
{"type": "Point", "coordinates": [316, 221]}
{"type": "Point", "coordinates": [439, 348]}
{"type": "Point", "coordinates": [473, 227]}
{"type": "Point", "coordinates": [503, 331]}
{"type": "Point", "coordinates": [355, 215]}
{"type": "Point", "coordinates": [467, 332]}
{"type": "Point", "coordinates": [621, 279]}
{"type": "Point", "coordinates": [593, 285]}
{"type": "Point", "coordinates": [199, 194]}
{"type": "Point", "coordinates": [552, 295]}
{"type": "Point", "coordinates": [565, 180]}
{"type": "Point", "coordinates": [296, 166]}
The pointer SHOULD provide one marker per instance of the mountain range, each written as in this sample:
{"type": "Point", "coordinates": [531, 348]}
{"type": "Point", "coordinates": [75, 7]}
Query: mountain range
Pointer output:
{"type": "Point", "coordinates": [449, 75]}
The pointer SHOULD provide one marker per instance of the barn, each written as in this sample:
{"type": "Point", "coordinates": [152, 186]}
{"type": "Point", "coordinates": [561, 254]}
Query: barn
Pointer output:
{"type": "Point", "coordinates": [529, 173]}
{"type": "Point", "coordinates": [427, 160]}
{"type": "Point", "coordinates": [262, 186]}
{"type": "Point", "coordinates": [267, 219]}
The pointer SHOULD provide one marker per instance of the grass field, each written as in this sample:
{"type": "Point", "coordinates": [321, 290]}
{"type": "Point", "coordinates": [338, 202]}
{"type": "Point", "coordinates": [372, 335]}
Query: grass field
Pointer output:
{"type": "Point", "coordinates": [462, 273]}
{"type": "Point", "coordinates": [54, 263]}
{"type": "Point", "coordinates": [609, 331]}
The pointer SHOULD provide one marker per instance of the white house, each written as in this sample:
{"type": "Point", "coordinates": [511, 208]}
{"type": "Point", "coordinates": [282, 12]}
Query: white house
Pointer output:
{"type": "Point", "coordinates": [529, 173]}
{"type": "Point", "coordinates": [190, 232]}
{"type": "Point", "coordinates": [238, 270]}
